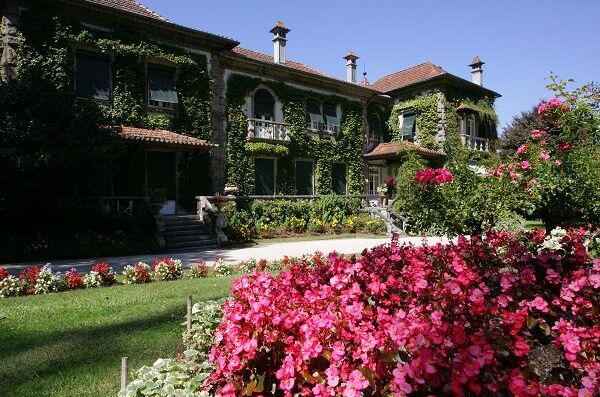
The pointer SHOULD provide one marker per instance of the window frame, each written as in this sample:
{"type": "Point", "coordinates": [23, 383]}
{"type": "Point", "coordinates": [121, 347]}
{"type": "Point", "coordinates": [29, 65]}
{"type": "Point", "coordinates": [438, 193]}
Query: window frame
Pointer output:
{"type": "Point", "coordinates": [98, 54]}
{"type": "Point", "coordinates": [373, 186]}
{"type": "Point", "coordinates": [306, 160]}
{"type": "Point", "coordinates": [168, 106]}
{"type": "Point", "coordinates": [401, 119]}
{"type": "Point", "coordinates": [345, 177]}
{"type": "Point", "coordinates": [274, 159]}
{"type": "Point", "coordinates": [315, 125]}
{"type": "Point", "coordinates": [254, 114]}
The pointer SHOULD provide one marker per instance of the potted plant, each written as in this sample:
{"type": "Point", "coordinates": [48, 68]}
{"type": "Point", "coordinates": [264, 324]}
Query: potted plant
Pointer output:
{"type": "Point", "coordinates": [219, 201]}
{"type": "Point", "coordinates": [231, 189]}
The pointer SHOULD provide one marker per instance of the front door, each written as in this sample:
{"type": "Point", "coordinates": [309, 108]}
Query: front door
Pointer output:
{"type": "Point", "coordinates": [161, 174]}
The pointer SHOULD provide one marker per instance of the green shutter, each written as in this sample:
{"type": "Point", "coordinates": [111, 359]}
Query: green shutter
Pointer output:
{"type": "Point", "coordinates": [264, 177]}
{"type": "Point", "coordinates": [161, 84]}
{"type": "Point", "coordinates": [408, 125]}
{"type": "Point", "coordinates": [332, 120]}
{"type": "Point", "coordinates": [304, 177]}
{"type": "Point", "coordinates": [316, 118]}
{"type": "Point", "coordinates": [338, 177]}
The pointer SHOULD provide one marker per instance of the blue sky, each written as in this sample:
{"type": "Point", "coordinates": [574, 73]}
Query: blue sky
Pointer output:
{"type": "Point", "coordinates": [520, 41]}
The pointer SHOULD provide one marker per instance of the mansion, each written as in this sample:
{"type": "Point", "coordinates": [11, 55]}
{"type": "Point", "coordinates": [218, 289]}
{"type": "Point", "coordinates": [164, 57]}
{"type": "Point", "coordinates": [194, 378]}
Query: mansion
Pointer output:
{"type": "Point", "coordinates": [204, 112]}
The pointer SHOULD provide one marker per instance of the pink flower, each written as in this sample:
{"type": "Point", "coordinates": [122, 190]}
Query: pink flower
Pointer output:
{"type": "Point", "coordinates": [558, 163]}
{"type": "Point", "coordinates": [286, 373]}
{"type": "Point", "coordinates": [544, 155]}
{"type": "Point", "coordinates": [522, 149]}
{"type": "Point", "coordinates": [356, 382]}
{"type": "Point", "coordinates": [542, 109]}
{"type": "Point", "coordinates": [525, 165]}
{"type": "Point", "coordinates": [538, 134]}
{"type": "Point", "coordinates": [538, 303]}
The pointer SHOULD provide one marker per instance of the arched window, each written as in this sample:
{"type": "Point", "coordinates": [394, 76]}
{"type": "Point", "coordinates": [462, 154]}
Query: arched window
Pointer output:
{"type": "Point", "coordinates": [264, 105]}
{"type": "Point", "coordinates": [375, 134]}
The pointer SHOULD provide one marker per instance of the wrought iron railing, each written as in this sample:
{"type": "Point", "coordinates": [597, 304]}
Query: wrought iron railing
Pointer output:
{"type": "Point", "coordinates": [267, 129]}
{"type": "Point", "coordinates": [475, 143]}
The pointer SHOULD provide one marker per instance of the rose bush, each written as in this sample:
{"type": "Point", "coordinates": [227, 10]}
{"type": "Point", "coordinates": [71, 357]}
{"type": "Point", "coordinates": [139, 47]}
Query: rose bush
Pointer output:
{"type": "Point", "coordinates": [507, 314]}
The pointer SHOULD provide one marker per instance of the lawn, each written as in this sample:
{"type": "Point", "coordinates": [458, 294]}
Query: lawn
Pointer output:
{"type": "Point", "coordinates": [70, 344]}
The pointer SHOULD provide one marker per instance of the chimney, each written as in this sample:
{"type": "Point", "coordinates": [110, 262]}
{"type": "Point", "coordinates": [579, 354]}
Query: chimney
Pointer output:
{"type": "Point", "coordinates": [351, 67]}
{"type": "Point", "coordinates": [279, 40]}
{"type": "Point", "coordinates": [477, 71]}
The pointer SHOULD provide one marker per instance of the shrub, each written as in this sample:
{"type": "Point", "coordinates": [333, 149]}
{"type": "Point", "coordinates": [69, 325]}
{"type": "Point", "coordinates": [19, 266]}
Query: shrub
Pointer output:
{"type": "Point", "coordinates": [101, 275]}
{"type": "Point", "coordinates": [375, 226]}
{"type": "Point", "coordinates": [167, 269]}
{"type": "Point", "coordinates": [137, 274]}
{"type": "Point", "coordinates": [221, 269]}
{"type": "Point", "coordinates": [10, 286]}
{"type": "Point", "coordinates": [206, 316]}
{"type": "Point", "coordinates": [509, 314]}
{"type": "Point", "coordinates": [3, 273]}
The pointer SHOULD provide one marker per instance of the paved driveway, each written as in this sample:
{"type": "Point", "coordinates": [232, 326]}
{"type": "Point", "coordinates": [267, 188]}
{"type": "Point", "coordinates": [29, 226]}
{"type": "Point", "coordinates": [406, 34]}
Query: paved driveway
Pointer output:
{"type": "Point", "coordinates": [269, 251]}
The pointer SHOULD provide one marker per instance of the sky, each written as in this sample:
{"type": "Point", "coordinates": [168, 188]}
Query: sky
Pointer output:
{"type": "Point", "coordinates": [521, 41]}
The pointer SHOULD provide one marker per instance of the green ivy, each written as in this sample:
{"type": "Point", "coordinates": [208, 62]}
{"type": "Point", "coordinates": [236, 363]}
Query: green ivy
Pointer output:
{"type": "Point", "coordinates": [271, 149]}
{"type": "Point", "coordinates": [346, 149]}
{"type": "Point", "coordinates": [428, 123]}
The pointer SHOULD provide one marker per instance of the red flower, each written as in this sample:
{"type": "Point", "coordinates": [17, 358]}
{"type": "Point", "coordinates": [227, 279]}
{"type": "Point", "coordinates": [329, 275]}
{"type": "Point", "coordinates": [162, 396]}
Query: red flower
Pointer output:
{"type": "Point", "coordinates": [73, 279]}
{"type": "Point", "coordinates": [390, 181]}
{"type": "Point", "coordinates": [430, 176]}
{"type": "Point", "coordinates": [564, 147]}
{"type": "Point", "coordinates": [3, 273]}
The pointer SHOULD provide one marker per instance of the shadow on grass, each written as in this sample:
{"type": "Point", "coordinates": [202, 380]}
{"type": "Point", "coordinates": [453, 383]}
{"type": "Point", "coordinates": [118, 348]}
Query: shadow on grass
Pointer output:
{"type": "Point", "coordinates": [24, 358]}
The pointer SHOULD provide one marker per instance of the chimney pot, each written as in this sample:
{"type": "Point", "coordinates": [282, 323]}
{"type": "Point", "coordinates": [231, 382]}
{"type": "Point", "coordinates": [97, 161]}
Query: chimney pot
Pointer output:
{"type": "Point", "coordinates": [477, 70]}
{"type": "Point", "coordinates": [280, 32]}
{"type": "Point", "coordinates": [351, 67]}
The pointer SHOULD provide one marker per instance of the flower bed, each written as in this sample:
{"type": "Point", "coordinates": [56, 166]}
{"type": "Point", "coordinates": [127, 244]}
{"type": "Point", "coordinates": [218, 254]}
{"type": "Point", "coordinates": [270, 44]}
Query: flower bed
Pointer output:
{"type": "Point", "coordinates": [503, 315]}
{"type": "Point", "coordinates": [37, 280]}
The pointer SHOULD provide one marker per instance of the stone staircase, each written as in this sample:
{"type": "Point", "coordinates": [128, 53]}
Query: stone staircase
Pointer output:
{"type": "Point", "coordinates": [186, 233]}
{"type": "Point", "coordinates": [395, 224]}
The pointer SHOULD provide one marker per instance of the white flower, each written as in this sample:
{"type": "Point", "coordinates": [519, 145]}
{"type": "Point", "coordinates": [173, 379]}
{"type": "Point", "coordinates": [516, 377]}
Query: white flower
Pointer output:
{"type": "Point", "coordinates": [10, 286]}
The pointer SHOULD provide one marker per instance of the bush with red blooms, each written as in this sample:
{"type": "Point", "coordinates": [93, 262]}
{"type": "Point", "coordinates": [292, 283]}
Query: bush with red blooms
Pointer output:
{"type": "Point", "coordinates": [73, 280]}
{"type": "Point", "coordinates": [3, 273]}
{"type": "Point", "coordinates": [103, 275]}
{"type": "Point", "coordinates": [506, 314]}
{"type": "Point", "coordinates": [429, 176]}
{"type": "Point", "coordinates": [29, 279]}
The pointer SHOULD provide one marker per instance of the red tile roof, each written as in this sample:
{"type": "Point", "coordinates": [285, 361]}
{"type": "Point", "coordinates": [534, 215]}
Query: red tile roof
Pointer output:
{"type": "Point", "coordinates": [162, 136]}
{"type": "Point", "coordinates": [129, 6]}
{"type": "Point", "coordinates": [259, 56]}
{"type": "Point", "coordinates": [403, 78]}
{"type": "Point", "coordinates": [391, 149]}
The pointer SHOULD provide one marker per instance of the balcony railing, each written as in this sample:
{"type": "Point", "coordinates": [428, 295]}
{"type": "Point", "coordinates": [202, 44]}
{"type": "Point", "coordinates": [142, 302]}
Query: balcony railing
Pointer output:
{"type": "Point", "coordinates": [329, 129]}
{"type": "Point", "coordinates": [475, 143]}
{"type": "Point", "coordinates": [267, 129]}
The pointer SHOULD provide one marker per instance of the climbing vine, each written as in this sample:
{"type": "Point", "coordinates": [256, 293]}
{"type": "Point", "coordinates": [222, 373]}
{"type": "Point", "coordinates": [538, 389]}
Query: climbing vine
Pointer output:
{"type": "Point", "coordinates": [347, 148]}
{"type": "Point", "coordinates": [428, 123]}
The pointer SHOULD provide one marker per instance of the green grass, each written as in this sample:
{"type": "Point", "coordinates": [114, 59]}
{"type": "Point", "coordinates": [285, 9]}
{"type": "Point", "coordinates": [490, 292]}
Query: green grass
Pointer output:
{"type": "Point", "coordinates": [534, 224]}
{"type": "Point", "coordinates": [70, 344]}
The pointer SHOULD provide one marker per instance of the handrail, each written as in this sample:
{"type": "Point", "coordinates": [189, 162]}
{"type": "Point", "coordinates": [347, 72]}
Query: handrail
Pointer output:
{"type": "Point", "coordinates": [267, 129]}
{"type": "Point", "coordinates": [475, 143]}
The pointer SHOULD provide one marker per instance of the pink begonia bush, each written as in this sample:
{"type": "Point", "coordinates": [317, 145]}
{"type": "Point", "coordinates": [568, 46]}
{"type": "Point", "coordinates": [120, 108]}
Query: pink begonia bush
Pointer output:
{"type": "Point", "coordinates": [503, 315]}
{"type": "Point", "coordinates": [430, 176]}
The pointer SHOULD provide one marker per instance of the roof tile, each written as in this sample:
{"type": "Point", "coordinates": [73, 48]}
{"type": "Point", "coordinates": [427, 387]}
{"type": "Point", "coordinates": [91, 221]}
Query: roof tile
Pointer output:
{"type": "Point", "coordinates": [259, 56]}
{"type": "Point", "coordinates": [403, 78]}
{"type": "Point", "coordinates": [162, 136]}
{"type": "Point", "coordinates": [129, 6]}
{"type": "Point", "coordinates": [391, 149]}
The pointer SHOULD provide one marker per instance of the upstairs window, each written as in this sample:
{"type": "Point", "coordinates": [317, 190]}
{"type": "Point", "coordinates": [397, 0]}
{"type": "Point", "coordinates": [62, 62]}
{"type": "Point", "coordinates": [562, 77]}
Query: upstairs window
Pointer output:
{"type": "Point", "coordinates": [315, 118]}
{"type": "Point", "coordinates": [162, 91]}
{"type": "Point", "coordinates": [408, 125]}
{"type": "Point", "coordinates": [332, 121]}
{"type": "Point", "coordinates": [92, 76]}
{"type": "Point", "coordinates": [264, 105]}
{"type": "Point", "coordinates": [375, 134]}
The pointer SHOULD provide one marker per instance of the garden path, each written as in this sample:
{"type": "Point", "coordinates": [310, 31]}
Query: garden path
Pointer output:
{"type": "Point", "coordinates": [269, 251]}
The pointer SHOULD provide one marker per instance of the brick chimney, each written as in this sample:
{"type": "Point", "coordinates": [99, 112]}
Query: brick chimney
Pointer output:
{"type": "Point", "coordinates": [477, 71]}
{"type": "Point", "coordinates": [351, 67]}
{"type": "Point", "coordinates": [279, 40]}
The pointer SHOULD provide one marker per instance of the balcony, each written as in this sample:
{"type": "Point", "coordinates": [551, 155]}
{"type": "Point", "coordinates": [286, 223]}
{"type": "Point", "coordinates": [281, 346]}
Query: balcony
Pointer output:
{"type": "Point", "coordinates": [331, 130]}
{"type": "Point", "coordinates": [475, 143]}
{"type": "Point", "coordinates": [269, 130]}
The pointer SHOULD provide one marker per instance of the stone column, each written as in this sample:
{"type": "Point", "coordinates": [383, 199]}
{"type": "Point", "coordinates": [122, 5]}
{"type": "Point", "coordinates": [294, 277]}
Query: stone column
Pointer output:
{"type": "Point", "coordinates": [10, 41]}
{"type": "Point", "coordinates": [440, 137]}
{"type": "Point", "coordinates": [219, 123]}
{"type": "Point", "coordinates": [365, 146]}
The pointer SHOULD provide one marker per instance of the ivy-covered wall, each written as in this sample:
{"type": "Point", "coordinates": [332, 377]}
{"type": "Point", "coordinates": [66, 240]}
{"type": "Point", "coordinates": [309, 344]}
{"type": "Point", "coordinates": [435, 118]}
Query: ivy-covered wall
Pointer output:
{"type": "Point", "coordinates": [52, 37]}
{"type": "Point", "coordinates": [347, 148]}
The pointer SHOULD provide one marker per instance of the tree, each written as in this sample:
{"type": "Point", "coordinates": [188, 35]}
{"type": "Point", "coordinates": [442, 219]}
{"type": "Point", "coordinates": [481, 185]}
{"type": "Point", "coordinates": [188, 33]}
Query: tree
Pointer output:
{"type": "Point", "coordinates": [519, 130]}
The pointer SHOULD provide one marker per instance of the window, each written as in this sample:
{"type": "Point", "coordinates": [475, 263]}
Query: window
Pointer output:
{"type": "Point", "coordinates": [264, 105]}
{"type": "Point", "coordinates": [92, 76]}
{"type": "Point", "coordinates": [332, 122]}
{"type": "Point", "coordinates": [304, 177]}
{"type": "Point", "coordinates": [408, 125]}
{"type": "Point", "coordinates": [374, 129]}
{"type": "Point", "coordinates": [313, 108]}
{"type": "Point", "coordinates": [374, 179]}
{"type": "Point", "coordinates": [264, 177]}
{"type": "Point", "coordinates": [338, 178]}
{"type": "Point", "coordinates": [471, 126]}
{"type": "Point", "coordinates": [162, 91]}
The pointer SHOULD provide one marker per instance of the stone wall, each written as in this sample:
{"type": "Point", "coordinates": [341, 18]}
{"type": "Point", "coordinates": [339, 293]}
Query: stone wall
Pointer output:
{"type": "Point", "coordinates": [219, 156]}
{"type": "Point", "coordinates": [10, 40]}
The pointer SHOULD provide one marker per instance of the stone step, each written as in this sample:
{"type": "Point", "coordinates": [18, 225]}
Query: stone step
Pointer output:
{"type": "Point", "coordinates": [186, 232]}
{"type": "Point", "coordinates": [193, 237]}
{"type": "Point", "coordinates": [193, 249]}
{"type": "Point", "coordinates": [199, 227]}
{"type": "Point", "coordinates": [198, 244]}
